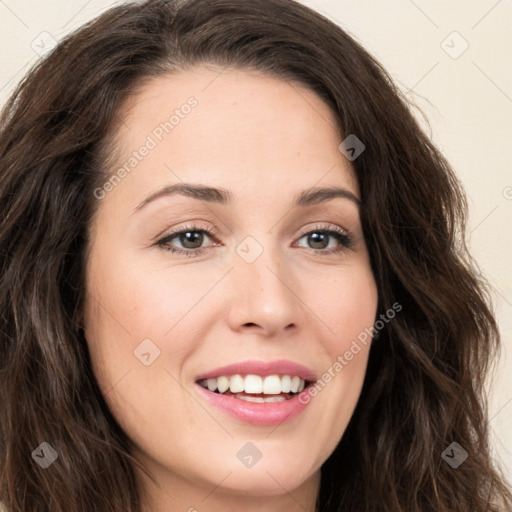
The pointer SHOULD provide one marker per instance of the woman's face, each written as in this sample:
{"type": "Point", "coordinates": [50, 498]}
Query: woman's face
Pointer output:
{"type": "Point", "coordinates": [278, 281]}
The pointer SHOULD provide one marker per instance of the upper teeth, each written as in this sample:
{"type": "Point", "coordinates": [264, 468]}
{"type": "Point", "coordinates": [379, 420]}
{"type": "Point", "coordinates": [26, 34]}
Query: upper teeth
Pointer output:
{"type": "Point", "coordinates": [269, 385]}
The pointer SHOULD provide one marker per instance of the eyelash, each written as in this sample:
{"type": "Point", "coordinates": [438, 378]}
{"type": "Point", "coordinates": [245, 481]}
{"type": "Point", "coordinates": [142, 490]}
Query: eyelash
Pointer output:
{"type": "Point", "coordinates": [343, 237]}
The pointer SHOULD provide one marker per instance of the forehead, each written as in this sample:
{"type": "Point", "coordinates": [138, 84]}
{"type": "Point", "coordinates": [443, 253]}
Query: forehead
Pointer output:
{"type": "Point", "coordinates": [246, 131]}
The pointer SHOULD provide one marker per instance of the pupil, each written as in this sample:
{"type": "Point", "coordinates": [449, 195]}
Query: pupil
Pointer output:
{"type": "Point", "coordinates": [193, 235]}
{"type": "Point", "coordinates": [314, 238]}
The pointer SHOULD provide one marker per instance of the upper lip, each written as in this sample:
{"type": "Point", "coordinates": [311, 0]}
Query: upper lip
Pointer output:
{"type": "Point", "coordinates": [262, 368]}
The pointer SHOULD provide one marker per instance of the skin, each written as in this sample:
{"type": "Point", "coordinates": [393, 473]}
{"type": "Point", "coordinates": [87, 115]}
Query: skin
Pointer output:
{"type": "Point", "coordinates": [265, 140]}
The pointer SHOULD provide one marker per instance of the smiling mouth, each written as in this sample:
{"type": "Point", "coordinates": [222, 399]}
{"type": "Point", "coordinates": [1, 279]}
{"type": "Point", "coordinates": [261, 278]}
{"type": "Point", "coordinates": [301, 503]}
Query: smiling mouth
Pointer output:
{"type": "Point", "coordinates": [253, 388]}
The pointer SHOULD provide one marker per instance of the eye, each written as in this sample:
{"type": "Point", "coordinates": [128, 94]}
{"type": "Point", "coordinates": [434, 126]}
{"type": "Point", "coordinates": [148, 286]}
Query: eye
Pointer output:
{"type": "Point", "coordinates": [192, 237]}
{"type": "Point", "coordinates": [320, 237]}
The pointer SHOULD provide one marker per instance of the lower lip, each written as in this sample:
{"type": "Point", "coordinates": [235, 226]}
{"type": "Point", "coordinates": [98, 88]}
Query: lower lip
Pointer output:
{"type": "Point", "coordinates": [269, 413]}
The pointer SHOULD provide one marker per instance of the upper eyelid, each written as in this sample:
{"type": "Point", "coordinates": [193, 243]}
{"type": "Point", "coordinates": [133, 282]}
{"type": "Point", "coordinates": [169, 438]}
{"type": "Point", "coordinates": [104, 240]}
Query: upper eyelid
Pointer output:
{"type": "Point", "coordinates": [212, 232]}
{"type": "Point", "coordinates": [324, 227]}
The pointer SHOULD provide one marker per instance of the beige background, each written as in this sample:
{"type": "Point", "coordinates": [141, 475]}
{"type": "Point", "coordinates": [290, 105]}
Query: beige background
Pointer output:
{"type": "Point", "coordinates": [466, 95]}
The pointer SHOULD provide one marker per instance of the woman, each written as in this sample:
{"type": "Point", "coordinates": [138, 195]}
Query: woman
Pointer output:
{"type": "Point", "coordinates": [233, 276]}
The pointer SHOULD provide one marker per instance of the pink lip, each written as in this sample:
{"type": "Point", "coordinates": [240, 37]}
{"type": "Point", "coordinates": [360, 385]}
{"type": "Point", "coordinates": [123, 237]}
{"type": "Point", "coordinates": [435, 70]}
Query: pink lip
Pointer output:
{"type": "Point", "coordinates": [263, 368]}
{"type": "Point", "coordinates": [271, 413]}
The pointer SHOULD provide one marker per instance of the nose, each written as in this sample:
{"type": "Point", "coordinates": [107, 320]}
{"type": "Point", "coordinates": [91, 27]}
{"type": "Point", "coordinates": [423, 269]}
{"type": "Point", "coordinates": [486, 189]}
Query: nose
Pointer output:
{"type": "Point", "coordinates": [263, 297]}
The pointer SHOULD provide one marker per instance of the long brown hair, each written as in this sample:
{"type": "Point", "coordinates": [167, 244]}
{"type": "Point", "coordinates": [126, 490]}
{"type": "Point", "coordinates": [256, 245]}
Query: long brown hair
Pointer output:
{"type": "Point", "coordinates": [424, 384]}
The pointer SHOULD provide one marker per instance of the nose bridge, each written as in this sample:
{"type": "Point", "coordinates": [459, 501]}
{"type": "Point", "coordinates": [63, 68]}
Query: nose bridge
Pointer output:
{"type": "Point", "coordinates": [262, 291]}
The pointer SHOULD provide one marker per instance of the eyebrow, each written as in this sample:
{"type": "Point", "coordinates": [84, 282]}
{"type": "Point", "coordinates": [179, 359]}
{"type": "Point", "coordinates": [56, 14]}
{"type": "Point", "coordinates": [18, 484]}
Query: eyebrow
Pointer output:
{"type": "Point", "coordinates": [308, 197]}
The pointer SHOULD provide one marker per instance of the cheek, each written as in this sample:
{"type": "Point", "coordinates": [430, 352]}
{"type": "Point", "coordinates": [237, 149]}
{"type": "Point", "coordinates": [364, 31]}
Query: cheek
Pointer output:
{"type": "Point", "coordinates": [131, 301]}
{"type": "Point", "coordinates": [346, 302]}
{"type": "Point", "coordinates": [353, 316]}
{"type": "Point", "coordinates": [347, 305]}
{"type": "Point", "coordinates": [139, 323]}
{"type": "Point", "coordinates": [119, 316]}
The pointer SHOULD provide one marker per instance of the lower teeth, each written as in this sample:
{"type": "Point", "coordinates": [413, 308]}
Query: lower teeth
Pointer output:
{"type": "Point", "coordinates": [259, 399]}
